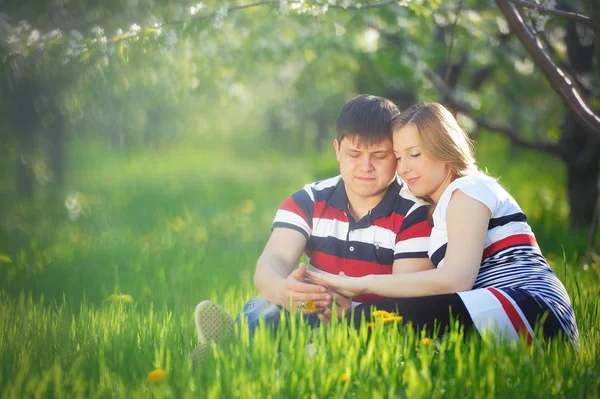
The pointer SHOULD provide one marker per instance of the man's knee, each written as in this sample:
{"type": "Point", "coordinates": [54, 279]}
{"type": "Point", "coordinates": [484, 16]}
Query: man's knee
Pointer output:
{"type": "Point", "coordinates": [258, 308]}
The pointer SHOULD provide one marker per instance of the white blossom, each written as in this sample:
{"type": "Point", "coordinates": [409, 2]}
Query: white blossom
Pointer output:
{"type": "Point", "coordinates": [284, 7]}
{"type": "Point", "coordinates": [220, 15]}
{"type": "Point", "coordinates": [76, 35]}
{"type": "Point", "coordinates": [524, 66]}
{"type": "Point", "coordinates": [346, 3]}
{"type": "Point", "coordinates": [195, 9]}
{"type": "Point", "coordinates": [34, 36]}
{"type": "Point", "coordinates": [73, 205]}
{"type": "Point", "coordinates": [171, 38]}
{"type": "Point", "coordinates": [53, 35]}
{"type": "Point", "coordinates": [23, 26]}
{"type": "Point", "coordinates": [97, 31]}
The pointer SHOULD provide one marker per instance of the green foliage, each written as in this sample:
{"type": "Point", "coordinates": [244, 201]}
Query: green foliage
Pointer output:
{"type": "Point", "coordinates": [99, 290]}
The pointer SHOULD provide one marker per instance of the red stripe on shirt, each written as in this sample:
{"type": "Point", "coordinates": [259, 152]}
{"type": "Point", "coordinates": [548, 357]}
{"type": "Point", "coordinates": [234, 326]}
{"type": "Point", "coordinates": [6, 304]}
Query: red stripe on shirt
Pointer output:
{"type": "Point", "coordinates": [290, 205]}
{"type": "Point", "coordinates": [513, 314]}
{"type": "Point", "coordinates": [421, 229]}
{"type": "Point", "coordinates": [324, 211]}
{"type": "Point", "coordinates": [393, 223]}
{"type": "Point", "coordinates": [517, 239]}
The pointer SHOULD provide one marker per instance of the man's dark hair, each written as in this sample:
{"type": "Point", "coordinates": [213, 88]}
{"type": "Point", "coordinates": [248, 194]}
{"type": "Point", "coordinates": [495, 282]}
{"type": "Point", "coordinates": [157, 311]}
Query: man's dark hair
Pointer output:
{"type": "Point", "coordinates": [366, 118]}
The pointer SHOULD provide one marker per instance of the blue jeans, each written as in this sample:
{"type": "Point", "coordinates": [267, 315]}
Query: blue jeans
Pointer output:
{"type": "Point", "coordinates": [258, 308]}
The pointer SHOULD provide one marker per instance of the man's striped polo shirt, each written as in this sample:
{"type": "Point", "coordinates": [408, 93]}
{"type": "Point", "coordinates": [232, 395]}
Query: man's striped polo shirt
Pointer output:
{"type": "Point", "coordinates": [397, 228]}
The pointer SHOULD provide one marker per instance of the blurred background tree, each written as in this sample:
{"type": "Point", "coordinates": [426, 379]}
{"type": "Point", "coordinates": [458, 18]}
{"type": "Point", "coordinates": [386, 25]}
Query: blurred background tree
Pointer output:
{"type": "Point", "coordinates": [143, 73]}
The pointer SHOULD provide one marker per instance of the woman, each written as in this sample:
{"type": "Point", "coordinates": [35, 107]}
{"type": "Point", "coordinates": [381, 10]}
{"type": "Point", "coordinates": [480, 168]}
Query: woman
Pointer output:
{"type": "Point", "coordinates": [489, 272]}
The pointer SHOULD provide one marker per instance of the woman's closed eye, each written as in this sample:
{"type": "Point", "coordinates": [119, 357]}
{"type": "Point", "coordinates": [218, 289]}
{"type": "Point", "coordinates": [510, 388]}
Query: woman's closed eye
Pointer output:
{"type": "Point", "coordinates": [415, 155]}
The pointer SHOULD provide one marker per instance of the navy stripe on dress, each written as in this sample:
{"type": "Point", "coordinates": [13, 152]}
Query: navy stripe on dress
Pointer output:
{"type": "Point", "coordinates": [504, 220]}
{"type": "Point", "coordinates": [438, 255]}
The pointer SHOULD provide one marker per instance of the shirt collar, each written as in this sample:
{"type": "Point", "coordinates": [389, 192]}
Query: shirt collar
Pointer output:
{"type": "Point", "coordinates": [385, 207]}
{"type": "Point", "coordinates": [339, 199]}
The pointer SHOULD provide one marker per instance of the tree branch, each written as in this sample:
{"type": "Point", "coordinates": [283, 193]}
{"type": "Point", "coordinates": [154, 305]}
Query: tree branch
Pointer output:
{"type": "Point", "coordinates": [572, 97]}
{"type": "Point", "coordinates": [374, 4]}
{"type": "Point", "coordinates": [448, 95]}
{"type": "Point", "coordinates": [571, 15]}
{"type": "Point", "coordinates": [513, 135]}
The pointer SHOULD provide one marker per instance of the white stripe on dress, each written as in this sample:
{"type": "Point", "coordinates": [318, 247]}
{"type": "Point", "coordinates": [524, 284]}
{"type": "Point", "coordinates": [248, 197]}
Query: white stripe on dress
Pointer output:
{"type": "Point", "coordinates": [488, 315]}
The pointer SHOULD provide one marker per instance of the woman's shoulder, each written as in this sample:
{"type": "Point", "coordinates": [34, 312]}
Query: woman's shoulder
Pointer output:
{"type": "Point", "coordinates": [477, 179]}
{"type": "Point", "coordinates": [478, 186]}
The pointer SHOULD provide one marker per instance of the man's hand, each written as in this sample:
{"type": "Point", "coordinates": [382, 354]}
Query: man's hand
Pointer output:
{"type": "Point", "coordinates": [294, 293]}
{"type": "Point", "coordinates": [342, 306]}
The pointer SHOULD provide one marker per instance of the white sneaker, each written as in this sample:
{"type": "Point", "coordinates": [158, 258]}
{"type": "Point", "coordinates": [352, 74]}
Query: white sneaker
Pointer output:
{"type": "Point", "coordinates": [198, 354]}
{"type": "Point", "coordinates": [213, 323]}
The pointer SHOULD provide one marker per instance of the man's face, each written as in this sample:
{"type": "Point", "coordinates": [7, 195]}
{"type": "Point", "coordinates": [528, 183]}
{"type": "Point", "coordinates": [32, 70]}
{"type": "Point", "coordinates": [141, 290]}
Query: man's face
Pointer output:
{"type": "Point", "coordinates": [366, 170]}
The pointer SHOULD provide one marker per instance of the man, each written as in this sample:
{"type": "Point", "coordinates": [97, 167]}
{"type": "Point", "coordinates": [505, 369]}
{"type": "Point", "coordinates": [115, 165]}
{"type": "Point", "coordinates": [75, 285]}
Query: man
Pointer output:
{"type": "Point", "coordinates": [364, 221]}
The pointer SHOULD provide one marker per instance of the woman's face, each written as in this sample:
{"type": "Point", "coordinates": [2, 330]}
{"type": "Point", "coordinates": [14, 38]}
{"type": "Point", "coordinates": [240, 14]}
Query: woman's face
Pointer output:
{"type": "Point", "coordinates": [425, 176]}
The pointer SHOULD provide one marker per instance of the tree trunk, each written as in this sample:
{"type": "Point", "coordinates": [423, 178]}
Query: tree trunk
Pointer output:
{"type": "Point", "coordinates": [25, 120]}
{"type": "Point", "coordinates": [322, 129]}
{"type": "Point", "coordinates": [581, 150]}
{"type": "Point", "coordinates": [56, 135]}
{"type": "Point", "coordinates": [581, 155]}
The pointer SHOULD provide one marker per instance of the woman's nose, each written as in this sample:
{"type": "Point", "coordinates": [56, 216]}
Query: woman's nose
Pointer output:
{"type": "Point", "coordinates": [403, 167]}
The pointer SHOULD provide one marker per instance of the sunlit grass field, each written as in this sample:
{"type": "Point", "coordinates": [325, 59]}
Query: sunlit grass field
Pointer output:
{"type": "Point", "coordinates": [98, 287]}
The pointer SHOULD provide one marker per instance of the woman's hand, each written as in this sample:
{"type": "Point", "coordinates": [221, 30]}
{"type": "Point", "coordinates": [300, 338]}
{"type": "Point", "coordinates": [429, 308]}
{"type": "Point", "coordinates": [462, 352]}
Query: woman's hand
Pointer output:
{"type": "Point", "coordinates": [343, 285]}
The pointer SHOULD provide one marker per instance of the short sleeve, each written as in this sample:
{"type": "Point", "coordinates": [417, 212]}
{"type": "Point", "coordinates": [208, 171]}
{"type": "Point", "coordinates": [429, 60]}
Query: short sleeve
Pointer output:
{"type": "Point", "coordinates": [296, 212]}
{"type": "Point", "coordinates": [412, 241]}
{"type": "Point", "coordinates": [476, 187]}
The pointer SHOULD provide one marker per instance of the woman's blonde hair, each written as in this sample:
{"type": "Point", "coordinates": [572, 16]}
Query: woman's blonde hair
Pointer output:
{"type": "Point", "coordinates": [441, 137]}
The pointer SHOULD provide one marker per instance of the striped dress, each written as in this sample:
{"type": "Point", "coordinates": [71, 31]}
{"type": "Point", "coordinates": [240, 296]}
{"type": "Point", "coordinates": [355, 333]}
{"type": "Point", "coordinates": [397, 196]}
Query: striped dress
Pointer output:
{"type": "Point", "coordinates": [511, 257]}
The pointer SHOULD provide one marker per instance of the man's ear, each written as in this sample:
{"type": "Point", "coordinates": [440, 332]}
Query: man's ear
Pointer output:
{"type": "Point", "coordinates": [336, 146]}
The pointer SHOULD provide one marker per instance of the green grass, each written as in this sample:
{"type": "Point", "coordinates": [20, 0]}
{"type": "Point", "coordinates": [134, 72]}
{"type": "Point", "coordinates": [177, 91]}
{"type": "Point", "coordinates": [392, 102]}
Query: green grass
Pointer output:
{"type": "Point", "coordinates": [170, 228]}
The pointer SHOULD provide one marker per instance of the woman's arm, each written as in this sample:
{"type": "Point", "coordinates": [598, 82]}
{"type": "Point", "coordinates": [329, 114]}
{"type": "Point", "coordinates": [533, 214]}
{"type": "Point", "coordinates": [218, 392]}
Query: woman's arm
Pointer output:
{"type": "Point", "coordinates": [411, 265]}
{"type": "Point", "coordinates": [467, 221]}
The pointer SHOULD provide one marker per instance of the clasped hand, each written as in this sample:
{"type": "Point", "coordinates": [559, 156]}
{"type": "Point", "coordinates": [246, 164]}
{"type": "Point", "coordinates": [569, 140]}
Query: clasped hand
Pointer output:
{"type": "Point", "coordinates": [340, 284]}
{"type": "Point", "coordinates": [298, 291]}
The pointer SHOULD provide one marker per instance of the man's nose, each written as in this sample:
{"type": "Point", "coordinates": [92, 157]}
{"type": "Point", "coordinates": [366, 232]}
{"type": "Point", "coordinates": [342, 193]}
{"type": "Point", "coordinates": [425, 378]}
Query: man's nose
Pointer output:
{"type": "Point", "coordinates": [366, 163]}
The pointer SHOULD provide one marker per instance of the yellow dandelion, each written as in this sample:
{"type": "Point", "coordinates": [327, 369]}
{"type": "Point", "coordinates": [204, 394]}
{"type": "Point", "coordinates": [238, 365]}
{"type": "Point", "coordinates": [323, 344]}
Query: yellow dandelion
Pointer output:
{"type": "Point", "coordinates": [310, 306]}
{"type": "Point", "coordinates": [201, 235]}
{"type": "Point", "coordinates": [5, 259]}
{"type": "Point", "coordinates": [392, 319]}
{"type": "Point", "coordinates": [156, 375]}
{"type": "Point", "coordinates": [344, 377]}
{"type": "Point", "coordinates": [382, 313]}
{"type": "Point", "coordinates": [178, 225]}
{"type": "Point", "coordinates": [246, 207]}
{"type": "Point", "coordinates": [427, 341]}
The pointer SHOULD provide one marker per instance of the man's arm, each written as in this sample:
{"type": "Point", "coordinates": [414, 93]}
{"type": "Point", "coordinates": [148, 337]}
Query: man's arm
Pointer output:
{"type": "Point", "coordinates": [276, 278]}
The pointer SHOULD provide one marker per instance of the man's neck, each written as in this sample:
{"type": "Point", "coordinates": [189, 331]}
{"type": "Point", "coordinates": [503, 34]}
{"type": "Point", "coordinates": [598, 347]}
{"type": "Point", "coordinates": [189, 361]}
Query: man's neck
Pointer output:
{"type": "Point", "coordinates": [359, 207]}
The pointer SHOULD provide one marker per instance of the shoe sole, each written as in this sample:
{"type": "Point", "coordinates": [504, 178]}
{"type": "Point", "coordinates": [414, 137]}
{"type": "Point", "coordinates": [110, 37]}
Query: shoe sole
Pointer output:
{"type": "Point", "coordinates": [212, 323]}
{"type": "Point", "coordinates": [198, 354]}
